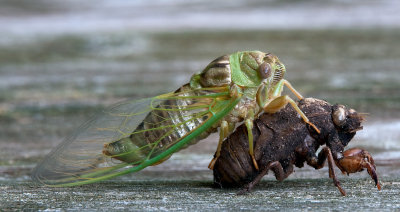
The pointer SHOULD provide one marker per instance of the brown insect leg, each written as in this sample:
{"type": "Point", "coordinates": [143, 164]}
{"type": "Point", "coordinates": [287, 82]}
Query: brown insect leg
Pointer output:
{"type": "Point", "coordinates": [276, 167]}
{"type": "Point", "coordinates": [355, 160]}
{"type": "Point", "coordinates": [319, 163]}
{"type": "Point", "coordinates": [372, 173]}
{"type": "Point", "coordinates": [280, 102]}
{"type": "Point", "coordinates": [291, 88]}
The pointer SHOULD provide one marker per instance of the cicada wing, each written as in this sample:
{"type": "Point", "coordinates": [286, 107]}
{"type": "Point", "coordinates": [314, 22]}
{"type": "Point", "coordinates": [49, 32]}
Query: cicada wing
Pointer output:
{"type": "Point", "coordinates": [132, 135]}
{"type": "Point", "coordinates": [80, 154]}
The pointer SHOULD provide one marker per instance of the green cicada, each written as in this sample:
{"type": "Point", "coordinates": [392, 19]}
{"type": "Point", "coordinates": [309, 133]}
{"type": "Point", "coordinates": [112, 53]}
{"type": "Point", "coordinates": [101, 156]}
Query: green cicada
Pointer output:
{"type": "Point", "coordinates": [132, 135]}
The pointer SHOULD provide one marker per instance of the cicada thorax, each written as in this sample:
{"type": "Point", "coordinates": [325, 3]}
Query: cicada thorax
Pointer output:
{"type": "Point", "coordinates": [219, 73]}
{"type": "Point", "coordinates": [216, 74]}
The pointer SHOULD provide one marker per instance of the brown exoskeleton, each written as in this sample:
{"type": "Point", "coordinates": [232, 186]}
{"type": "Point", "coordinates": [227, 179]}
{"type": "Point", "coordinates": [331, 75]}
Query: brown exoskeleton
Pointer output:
{"type": "Point", "coordinates": [283, 140]}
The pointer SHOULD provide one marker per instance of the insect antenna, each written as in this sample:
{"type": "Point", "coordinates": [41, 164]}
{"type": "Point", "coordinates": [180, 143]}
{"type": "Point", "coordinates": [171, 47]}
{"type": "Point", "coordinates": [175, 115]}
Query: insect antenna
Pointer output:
{"type": "Point", "coordinates": [360, 116]}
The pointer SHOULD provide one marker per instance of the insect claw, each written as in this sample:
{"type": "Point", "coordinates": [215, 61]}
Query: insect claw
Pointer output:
{"type": "Point", "coordinates": [255, 162]}
{"type": "Point", "coordinates": [244, 191]}
{"type": "Point", "coordinates": [378, 185]}
{"type": "Point", "coordinates": [342, 191]}
{"type": "Point", "coordinates": [315, 128]}
{"type": "Point", "coordinates": [356, 160]}
{"type": "Point", "coordinates": [212, 163]}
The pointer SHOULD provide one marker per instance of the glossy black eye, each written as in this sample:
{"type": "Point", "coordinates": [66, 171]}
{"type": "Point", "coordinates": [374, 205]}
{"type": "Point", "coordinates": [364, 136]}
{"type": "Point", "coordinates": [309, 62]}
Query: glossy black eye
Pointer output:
{"type": "Point", "coordinates": [264, 70]}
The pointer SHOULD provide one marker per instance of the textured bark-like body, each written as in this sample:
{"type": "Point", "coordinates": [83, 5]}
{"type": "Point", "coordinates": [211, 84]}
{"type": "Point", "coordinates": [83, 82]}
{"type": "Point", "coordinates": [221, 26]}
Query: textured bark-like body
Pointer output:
{"type": "Point", "coordinates": [283, 137]}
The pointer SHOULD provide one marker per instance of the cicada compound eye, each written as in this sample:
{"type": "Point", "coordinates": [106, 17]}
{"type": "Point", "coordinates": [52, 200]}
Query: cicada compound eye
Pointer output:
{"type": "Point", "coordinates": [339, 116]}
{"type": "Point", "coordinates": [264, 70]}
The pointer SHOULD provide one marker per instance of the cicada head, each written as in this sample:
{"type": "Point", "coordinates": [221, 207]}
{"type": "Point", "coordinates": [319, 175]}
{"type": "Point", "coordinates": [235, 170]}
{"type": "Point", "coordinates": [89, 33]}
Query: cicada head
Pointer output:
{"type": "Point", "coordinates": [272, 70]}
{"type": "Point", "coordinates": [262, 67]}
{"type": "Point", "coordinates": [347, 122]}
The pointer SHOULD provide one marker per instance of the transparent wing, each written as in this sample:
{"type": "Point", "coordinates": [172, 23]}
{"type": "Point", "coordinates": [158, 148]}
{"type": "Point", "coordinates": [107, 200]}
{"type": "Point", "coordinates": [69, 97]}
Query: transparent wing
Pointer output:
{"type": "Point", "coordinates": [132, 135]}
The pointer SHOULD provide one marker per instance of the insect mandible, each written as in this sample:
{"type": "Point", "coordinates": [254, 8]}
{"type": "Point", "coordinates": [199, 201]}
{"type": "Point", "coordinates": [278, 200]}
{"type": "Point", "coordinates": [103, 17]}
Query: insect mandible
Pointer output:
{"type": "Point", "coordinates": [132, 135]}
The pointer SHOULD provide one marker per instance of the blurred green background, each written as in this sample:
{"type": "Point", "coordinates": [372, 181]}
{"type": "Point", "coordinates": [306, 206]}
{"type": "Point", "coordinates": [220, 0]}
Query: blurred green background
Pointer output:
{"type": "Point", "coordinates": [62, 61]}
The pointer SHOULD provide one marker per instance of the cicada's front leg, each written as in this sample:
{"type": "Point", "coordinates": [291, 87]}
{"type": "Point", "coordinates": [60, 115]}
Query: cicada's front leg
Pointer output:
{"type": "Point", "coordinates": [294, 91]}
{"type": "Point", "coordinates": [278, 103]}
{"type": "Point", "coordinates": [356, 160]}
{"type": "Point", "coordinates": [281, 102]}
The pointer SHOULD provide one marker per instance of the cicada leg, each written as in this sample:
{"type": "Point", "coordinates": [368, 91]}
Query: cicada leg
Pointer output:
{"type": "Point", "coordinates": [223, 133]}
{"type": "Point", "coordinates": [280, 102]}
{"type": "Point", "coordinates": [276, 167]}
{"type": "Point", "coordinates": [319, 161]}
{"type": "Point", "coordinates": [249, 125]}
{"type": "Point", "coordinates": [294, 91]}
{"type": "Point", "coordinates": [225, 129]}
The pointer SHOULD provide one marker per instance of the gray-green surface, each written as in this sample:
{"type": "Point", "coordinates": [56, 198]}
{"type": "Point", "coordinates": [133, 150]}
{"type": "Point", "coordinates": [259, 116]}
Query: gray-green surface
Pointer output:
{"type": "Point", "coordinates": [298, 194]}
{"type": "Point", "coordinates": [60, 63]}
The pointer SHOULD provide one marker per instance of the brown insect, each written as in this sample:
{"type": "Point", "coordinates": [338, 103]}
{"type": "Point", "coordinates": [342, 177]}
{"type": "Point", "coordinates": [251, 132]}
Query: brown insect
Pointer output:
{"type": "Point", "coordinates": [282, 140]}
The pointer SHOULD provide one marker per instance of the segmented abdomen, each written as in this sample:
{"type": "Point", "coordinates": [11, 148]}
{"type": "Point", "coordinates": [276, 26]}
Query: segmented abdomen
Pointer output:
{"type": "Point", "coordinates": [235, 167]}
{"type": "Point", "coordinates": [167, 123]}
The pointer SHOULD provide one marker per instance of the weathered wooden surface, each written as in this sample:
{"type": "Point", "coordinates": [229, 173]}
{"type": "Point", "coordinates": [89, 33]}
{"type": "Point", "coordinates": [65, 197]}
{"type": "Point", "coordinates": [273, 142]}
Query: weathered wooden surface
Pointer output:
{"type": "Point", "coordinates": [59, 64]}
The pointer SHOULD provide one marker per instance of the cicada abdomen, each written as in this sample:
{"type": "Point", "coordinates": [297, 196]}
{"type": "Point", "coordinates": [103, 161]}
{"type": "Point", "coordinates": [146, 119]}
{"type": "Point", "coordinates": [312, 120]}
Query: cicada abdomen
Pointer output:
{"type": "Point", "coordinates": [169, 121]}
{"type": "Point", "coordinates": [174, 118]}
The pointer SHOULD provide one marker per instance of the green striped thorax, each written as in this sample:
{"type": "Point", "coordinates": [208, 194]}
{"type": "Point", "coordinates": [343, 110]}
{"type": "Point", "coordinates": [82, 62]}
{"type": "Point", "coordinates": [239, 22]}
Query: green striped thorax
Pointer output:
{"type": "Point", "coordinates": [250, 70]}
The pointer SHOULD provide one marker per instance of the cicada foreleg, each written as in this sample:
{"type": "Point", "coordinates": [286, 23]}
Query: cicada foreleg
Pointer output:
{"type": "Point", "coordinates": [294, 91]}
{"type": "Point", "coordinates": [279, 102]}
